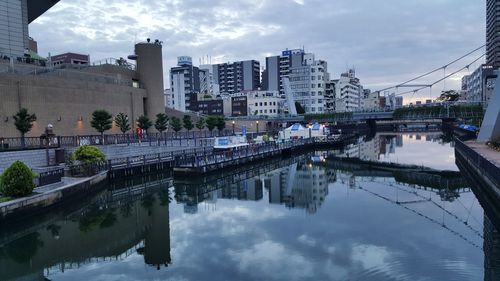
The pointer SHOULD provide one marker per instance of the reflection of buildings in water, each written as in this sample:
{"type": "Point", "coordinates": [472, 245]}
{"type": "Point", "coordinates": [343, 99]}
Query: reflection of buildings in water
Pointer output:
{"type": "Point", "coordinates": [383, 145]}
{"type": "Point", "coordinates": [347, 178]}
{"type": "Point", "coordinates": [157, 240]}
{"type": "Point", "coordinates": [110, 232]}
{"type": "Point", "coordinates": [250, 189]}
{"type": "Point", "coordinates": [299, 186]}
{"type": "Point", "coordinates": [491, 248]}
{"type": "Point", "coordinates": [399, 140]}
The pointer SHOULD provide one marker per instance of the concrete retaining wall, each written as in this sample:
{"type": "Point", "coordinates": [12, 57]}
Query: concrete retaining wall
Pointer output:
{"type": "Point", "coordinates": [33, 158]}
{"type": "Point", "coordinates": [29, 205]}
{"type": "Point", "coordinates": [119, 151]}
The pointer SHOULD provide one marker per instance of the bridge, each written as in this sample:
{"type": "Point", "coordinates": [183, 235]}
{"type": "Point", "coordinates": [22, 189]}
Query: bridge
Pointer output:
{"type": "Point", "coordinates": [421, 113]}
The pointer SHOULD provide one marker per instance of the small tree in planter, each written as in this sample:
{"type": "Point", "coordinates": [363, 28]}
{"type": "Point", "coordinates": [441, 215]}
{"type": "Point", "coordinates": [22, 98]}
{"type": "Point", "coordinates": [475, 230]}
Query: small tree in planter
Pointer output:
{"type": "Point", "coordinates": [144, 123]}
{"type": "Point", "coordinates": [122, 122]}
{"type": "Point", "coordinates": [161, 123]}
{"type": "Point", "coordinates": [89, 157]}
{"type": "Point", "coordinates": [17, 180]}
{"type": "Point", "coordinates": [221, 123]}
{"type": "Point", "coordinates": [211, 123]}
{"type": "Point", "coordinates": [188, 123]}
{"type": "Point", "coordinates": [24, 123]}
{"type": "Point", "coordinates": [176, 124]}
{"type": "Point", "coordinates": [101, 121]}
{"type": "Point", "coordinates": [200, 124]}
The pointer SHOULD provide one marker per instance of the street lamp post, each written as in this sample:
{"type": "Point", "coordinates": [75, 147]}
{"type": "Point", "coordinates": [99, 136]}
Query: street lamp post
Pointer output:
{"type": "Point", "coordinates": [257, 124]}
{"type": "Point", "coordinates": [233, 126]}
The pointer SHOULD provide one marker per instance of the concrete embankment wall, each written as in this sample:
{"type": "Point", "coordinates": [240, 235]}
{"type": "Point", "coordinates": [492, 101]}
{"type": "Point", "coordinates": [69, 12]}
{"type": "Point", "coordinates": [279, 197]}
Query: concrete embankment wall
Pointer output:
{"type": "Point", "coordinates": [27, 206]}
{"type": "Point", "coordinates": [33, 158]}
{"type": "Point", "coordinates": [120, 151]}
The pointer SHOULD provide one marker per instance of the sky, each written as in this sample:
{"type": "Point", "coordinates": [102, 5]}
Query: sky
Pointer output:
{"type": "Point", "coordinates": [386, 41]}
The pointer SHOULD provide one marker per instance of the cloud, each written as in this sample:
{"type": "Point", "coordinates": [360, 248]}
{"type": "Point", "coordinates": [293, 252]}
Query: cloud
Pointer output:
{"type": "Point", "coordinates": [273, 260]}
{"type": "Point", "coordinates": [386, 43]}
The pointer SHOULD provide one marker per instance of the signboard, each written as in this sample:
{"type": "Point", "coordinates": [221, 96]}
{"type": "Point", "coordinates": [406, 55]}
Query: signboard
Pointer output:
{"type": "Point", "coordinates": [184, 60]}
{"type": "Point", "coordinates": [223, 141]}
{"type": "Point", "coordinates": [244, 130]}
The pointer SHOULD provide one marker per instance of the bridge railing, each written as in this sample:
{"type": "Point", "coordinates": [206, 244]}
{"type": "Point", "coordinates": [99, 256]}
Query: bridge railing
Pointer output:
{"type": "Point", "coordinates": [166, 138]}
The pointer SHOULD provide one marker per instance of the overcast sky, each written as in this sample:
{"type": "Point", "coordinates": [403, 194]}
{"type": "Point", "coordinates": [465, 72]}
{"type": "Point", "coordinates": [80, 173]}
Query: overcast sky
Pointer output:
{"type": "Point", "coordinates": [387, 41]}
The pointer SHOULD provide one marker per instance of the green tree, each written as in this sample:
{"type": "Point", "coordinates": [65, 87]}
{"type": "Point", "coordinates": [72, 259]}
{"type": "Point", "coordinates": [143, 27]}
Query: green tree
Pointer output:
{"type": "Point", "coordinates": [200, 124]}
{"type": "Point", "coordinates": [221, 123]}
{"type": "Point", "coordinates": [122, 122]}
{"type": "Point", "coordinates": [211, 123]}
{"type": "Point", "coordinates": [161, 123]}
{"type": "Point", "coordinates": [101, 121]}
{"type": "Point", "coordinates": [450, 95]}
{"type": "Point", "coordinates": [17, 180]}
{"type": "Point", "coordinates": [176, 124]}
{"type": "Point", "coordinates": [187, 122]}
{"type": "Point", "coordinates": [24, 123]}
{"type": "Point", "coordinates": [144, 123]}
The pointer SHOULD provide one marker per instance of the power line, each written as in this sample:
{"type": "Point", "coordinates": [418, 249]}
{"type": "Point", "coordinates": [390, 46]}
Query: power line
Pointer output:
{"type": "Point", "coordinates": [439, 80]}
{"type": "Point", "coordinates": [434, 70]}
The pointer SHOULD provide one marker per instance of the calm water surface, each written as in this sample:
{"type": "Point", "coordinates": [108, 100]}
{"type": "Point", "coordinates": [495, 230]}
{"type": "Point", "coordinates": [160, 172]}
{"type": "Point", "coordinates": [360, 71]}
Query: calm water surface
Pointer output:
{"type": "Point", "coordinates": [303, 218]}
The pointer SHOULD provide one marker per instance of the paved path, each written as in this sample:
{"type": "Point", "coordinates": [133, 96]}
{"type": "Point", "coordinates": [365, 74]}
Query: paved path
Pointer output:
{"type": "Point", "coordinates": [492, 155]}
{"type": "Point", "coordinates": [64, 182]}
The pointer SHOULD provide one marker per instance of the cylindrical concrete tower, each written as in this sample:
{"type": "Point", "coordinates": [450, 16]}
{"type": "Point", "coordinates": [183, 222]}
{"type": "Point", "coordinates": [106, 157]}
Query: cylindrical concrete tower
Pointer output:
{"type": "Point", "coordinates": [150, 70]}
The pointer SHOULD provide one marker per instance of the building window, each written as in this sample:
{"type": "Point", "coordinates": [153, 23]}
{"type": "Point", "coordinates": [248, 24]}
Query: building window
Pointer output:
{"type": "Point", "coordinates": [313, 86]}
{"type": "Point", "coordinates": [312, 77]}
{"type": "Point", "coordinates": [265, 103]}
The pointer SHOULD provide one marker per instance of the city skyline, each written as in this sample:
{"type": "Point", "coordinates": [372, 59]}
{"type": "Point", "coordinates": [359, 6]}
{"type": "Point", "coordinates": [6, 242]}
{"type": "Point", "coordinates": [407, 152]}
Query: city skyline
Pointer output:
{"type": "Point", "coordinates": [361, 35]}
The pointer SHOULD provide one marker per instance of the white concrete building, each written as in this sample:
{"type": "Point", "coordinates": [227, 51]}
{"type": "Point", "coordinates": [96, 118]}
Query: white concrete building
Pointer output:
{"type": "Point", "coordinates": [371, 101]}
{"type": "Point", "coordinates": [478, 85]}
{"type": "Point", "coordinates": [268, 103]}
{"type": "Point", "coordinates": [348, 92]}
{"type": "Point", "coordinates": [308, 84]}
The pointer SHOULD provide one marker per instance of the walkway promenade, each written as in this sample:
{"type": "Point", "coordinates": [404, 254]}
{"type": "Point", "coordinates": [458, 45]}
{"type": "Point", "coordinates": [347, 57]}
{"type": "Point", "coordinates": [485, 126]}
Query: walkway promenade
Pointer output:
{"type": "Point", "coordinates": [485, 151]}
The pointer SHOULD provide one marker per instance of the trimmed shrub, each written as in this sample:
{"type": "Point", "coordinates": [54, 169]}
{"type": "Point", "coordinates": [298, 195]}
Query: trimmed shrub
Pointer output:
{"type": "Point", "coordinates": [17, 180]}
{"type": "Point", "coordinates": [87, 154]}
{"type": "Point", "coordinates": [85, 160]}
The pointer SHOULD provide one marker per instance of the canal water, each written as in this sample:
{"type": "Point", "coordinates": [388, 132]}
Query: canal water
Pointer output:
{"type": "Point", "coordinates": [366, 212]}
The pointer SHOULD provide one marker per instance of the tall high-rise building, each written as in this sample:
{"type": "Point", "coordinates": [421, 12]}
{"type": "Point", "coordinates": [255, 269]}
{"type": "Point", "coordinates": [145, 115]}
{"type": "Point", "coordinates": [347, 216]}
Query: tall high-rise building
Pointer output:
{"type": "Point", "coordinates": [237, 76]}
{"type": "Point", "coordinates": [15, 15]}
{"type": "Point", "coordinates": [184, 85]}
{"type": "Point", "coordinates": [492, 33]}
{"type": "Point", "coordinates": [278, 67]}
